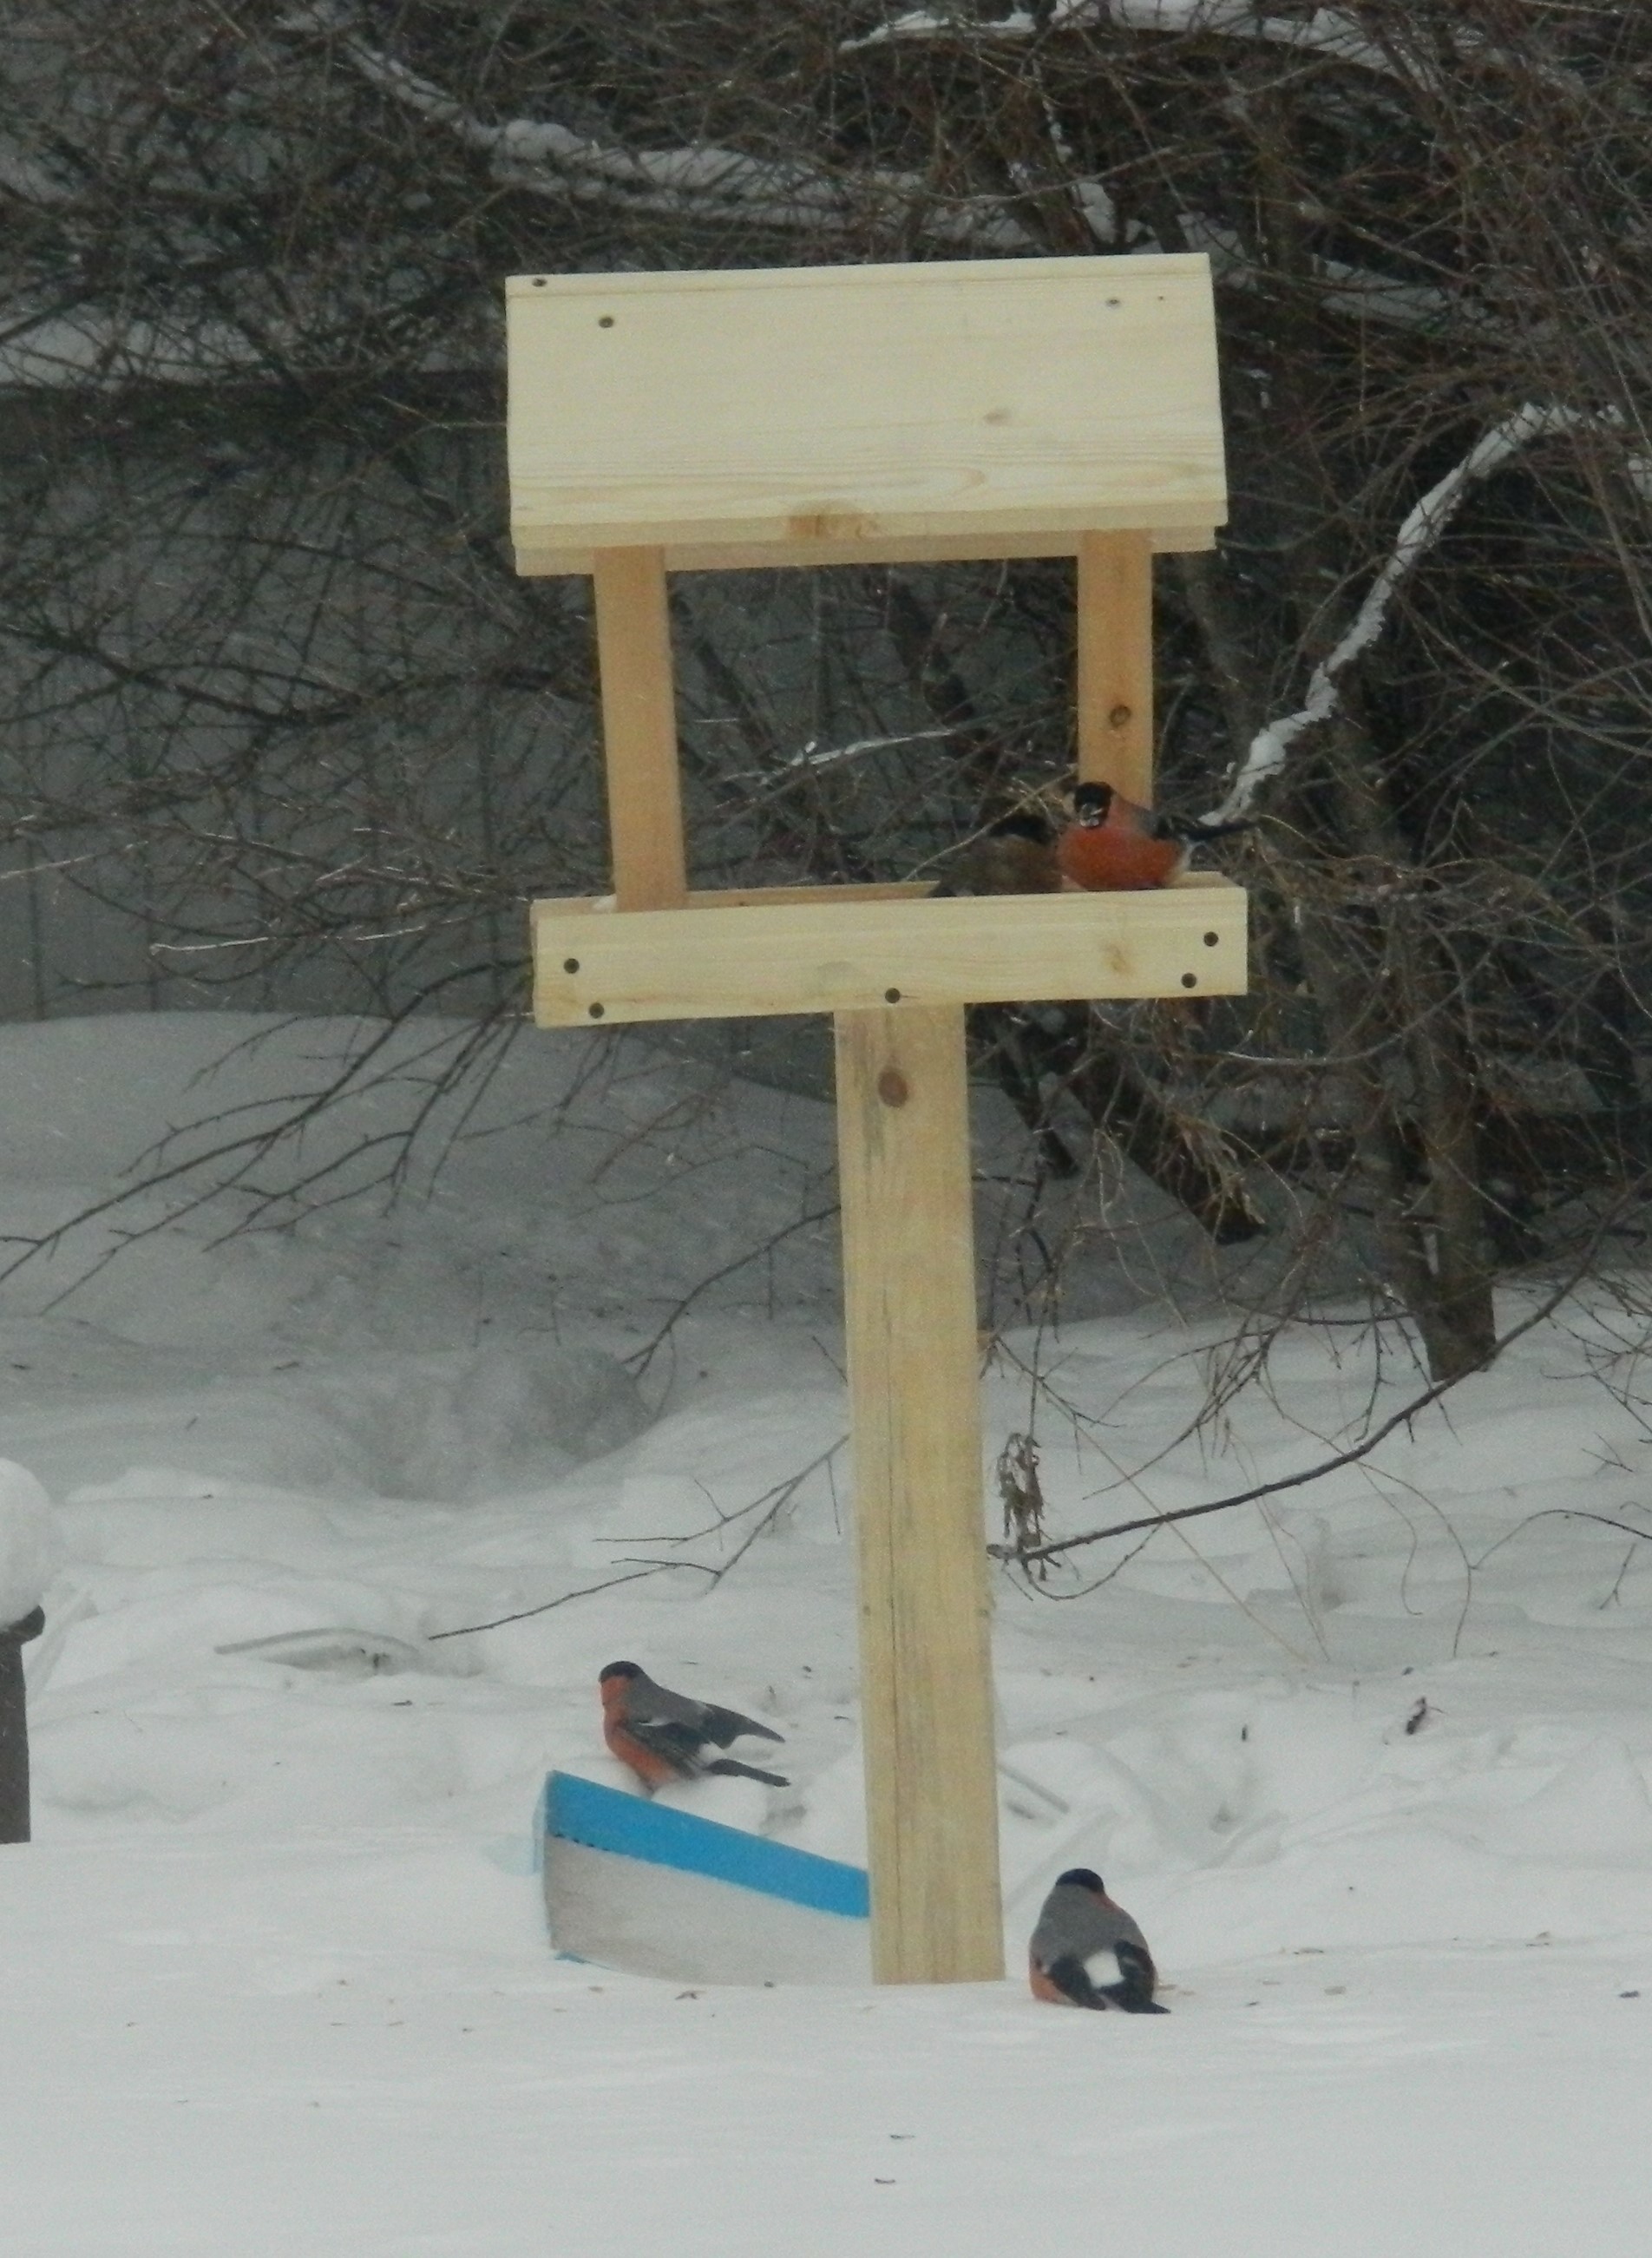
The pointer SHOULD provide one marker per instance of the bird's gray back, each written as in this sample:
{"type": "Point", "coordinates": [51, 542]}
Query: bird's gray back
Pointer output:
{"type": "Point", "coordinates": [1075, 1923]}
{"type": "Point", "coordinates": [650, 1703]}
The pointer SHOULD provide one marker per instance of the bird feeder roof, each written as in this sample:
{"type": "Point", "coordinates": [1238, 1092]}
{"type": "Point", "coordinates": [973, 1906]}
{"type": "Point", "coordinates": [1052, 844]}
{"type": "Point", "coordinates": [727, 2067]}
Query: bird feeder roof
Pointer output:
{"type": "Point", "coordinates": [800, 415]}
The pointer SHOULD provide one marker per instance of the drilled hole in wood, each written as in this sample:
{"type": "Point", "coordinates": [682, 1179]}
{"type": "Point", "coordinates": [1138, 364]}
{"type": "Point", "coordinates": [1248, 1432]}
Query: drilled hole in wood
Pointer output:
{"type": "Point", "coordinates": [570, 964]}
{"type": "Point", "coordinates": [1211, 939]}
{"type": "Point", "coordinates": [595, 1010]}
{"type": "Point", "coordinates": [1117, 718]}
{"type": "Point", "coordinates": [539, 281]}
{"type": "Point", "coordinates": [891, 995]}
{"type": "Point", "coordinates": [893, 1087]}
{"type": "Point", "coordinates": [1190, 980]}
{"type": "Point", "coordinates": [605, 320]}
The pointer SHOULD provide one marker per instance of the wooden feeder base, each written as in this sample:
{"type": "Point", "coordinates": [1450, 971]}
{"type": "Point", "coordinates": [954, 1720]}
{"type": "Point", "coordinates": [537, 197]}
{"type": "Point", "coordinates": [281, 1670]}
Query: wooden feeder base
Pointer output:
{"type": "Point", "coordinates": [854, 949]}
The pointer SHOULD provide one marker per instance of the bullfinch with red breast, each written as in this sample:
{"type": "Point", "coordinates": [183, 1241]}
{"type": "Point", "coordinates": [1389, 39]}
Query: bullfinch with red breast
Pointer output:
{"type": "Point", "coordinates": [1113, 846]}
{"type": "Point", "coordinates": [1088, 1952]}
{"type": "Point", "coordinates": [663, 1735]}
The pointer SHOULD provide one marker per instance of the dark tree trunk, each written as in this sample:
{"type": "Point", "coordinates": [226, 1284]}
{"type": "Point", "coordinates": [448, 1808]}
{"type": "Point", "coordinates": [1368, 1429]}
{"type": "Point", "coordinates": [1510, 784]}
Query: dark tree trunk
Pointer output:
{"type": "Point", "coordinates": [14, 1727]}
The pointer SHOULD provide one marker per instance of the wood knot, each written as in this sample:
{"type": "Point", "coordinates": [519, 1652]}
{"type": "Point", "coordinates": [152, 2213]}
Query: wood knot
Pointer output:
{"type": "Point", "coordinates": [893, 1087]}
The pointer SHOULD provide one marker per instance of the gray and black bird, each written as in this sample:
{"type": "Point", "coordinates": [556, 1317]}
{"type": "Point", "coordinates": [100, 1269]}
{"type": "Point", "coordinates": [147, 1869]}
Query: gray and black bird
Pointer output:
{"type": "Point", "coordinates": [1088, 1952]}
{"type": "Point", "coordinates": [663, 1735]}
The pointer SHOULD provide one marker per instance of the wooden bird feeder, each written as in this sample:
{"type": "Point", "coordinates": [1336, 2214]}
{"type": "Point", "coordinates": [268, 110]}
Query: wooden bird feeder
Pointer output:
{"type": "Point", "coordinates": [867, 415]}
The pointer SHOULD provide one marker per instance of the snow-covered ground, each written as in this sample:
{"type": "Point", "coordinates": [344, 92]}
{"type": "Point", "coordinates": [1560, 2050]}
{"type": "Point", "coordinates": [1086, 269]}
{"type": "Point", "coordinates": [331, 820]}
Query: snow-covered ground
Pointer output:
{"type": "Point", "coordinates": [1371, 1767]}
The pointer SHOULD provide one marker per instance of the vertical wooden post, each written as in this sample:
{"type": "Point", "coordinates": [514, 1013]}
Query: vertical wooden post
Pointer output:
{"type": "Point", "coordinates": [1116, 662]}
{"type": "Point", "coordinates": [914, 1390]}
{"type": "Point", "coordinates": [639, 728]}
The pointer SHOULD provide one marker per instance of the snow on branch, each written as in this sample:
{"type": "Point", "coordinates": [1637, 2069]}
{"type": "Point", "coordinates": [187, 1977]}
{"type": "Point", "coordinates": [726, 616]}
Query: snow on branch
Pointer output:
{"type": "Point", "coordinates": [813, 757]}
{"type": "Point", "coordinates": [1327, 32]}
{"type": "Point", "coordinates": [701, 181]}
{"type": "Point", "coordinates": [1332, 32]}
{"type": "Point", "coordinates": [1421, 527]}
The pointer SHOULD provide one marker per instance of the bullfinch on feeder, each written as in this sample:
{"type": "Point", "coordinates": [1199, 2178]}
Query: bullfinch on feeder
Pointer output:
{"type": "Point", "coordinates": [1015, 854]}
{"type": "Point", "coordinates": [1088, 1952]}
{"type": "Point", "coordinates": [1113, 846]}
{"type": "Point", "coordinates": [663, 1735]}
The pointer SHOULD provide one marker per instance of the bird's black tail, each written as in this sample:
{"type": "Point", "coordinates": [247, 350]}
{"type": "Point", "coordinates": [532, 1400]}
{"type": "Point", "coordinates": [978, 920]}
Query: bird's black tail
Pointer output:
{"type": "Point", "coordinates": [733, 1767]}
{"type": "Point", "coordinates": [1134, 1990]}
{"type": "Point", "coordinates": [725, 1725]}
{"type": "Point", "coordinates": [1132, 1995]}
{"type": "Point", "coordinates": [1069, 1974]}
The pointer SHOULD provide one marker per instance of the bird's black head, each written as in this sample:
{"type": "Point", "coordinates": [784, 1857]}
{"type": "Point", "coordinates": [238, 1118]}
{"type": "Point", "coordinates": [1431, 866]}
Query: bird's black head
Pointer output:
{"type": "Point", "coordinates": [620, 1669]}
{"type": "Point", "coordinates": [1091, 802]}
{"type": "Point", "coordinates": [1080, 1878]}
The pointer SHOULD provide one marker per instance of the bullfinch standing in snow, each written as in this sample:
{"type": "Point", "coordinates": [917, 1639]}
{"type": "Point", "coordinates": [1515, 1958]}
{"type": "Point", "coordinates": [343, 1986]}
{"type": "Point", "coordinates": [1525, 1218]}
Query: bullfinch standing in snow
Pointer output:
{"type": "Point", "coordinates": [1113, 846]}
{"type": "Point", "coordinates": [1088, 1952]}
{"type": "Point", "coordinates": [663, 1735]}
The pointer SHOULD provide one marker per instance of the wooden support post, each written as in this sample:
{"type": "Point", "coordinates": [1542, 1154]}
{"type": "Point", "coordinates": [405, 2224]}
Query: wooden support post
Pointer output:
{"type": "Point", "coordinates": [639, 728]}
{"type": "Point", "coordinates": [1116, 662]}
{"type": "Point", "coordinates": [914, 1389]}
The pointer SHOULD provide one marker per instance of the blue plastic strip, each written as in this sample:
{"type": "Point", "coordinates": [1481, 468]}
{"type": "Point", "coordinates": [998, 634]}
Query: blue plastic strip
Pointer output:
{"type": "Point", "coordinates": [582, 1811]}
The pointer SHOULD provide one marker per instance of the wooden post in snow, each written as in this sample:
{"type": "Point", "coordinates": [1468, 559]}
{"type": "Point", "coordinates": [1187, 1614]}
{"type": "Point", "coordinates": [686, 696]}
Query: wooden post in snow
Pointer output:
{"type": "Point", "coordinates": [877, 415]}
{"type": "Point", "coordinates": [909, 1292]}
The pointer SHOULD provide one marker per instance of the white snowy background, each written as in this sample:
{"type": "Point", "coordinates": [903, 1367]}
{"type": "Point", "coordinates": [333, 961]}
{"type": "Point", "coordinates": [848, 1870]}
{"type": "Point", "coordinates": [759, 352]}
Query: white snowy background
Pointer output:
{"type": "Point", "coordinates": [276, 1978]}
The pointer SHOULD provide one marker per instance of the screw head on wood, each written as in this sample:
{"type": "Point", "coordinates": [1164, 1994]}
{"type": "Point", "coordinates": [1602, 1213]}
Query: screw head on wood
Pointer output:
{"type": "Point", "coordinates": [1190, 980]}
{"type": "Point", "coordinates": [570, 964]}
{"type": "Point", "coordinates": [594, 1010]}
{"type": "Point", "coordinates": [1118, 715]}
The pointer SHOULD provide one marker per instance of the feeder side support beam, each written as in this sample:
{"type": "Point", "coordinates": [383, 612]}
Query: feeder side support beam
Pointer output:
{"type": "Point", "coordinates": [1116, 662]}
{"type": "Point", "coordinates": [639, 728]}
{"type": "Point", "coordinates": [924, 1600]}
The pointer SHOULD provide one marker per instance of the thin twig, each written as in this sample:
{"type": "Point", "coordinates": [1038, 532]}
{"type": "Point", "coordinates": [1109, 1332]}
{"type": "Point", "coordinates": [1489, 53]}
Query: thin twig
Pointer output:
{"type": "Point", "coordinates": [1350, 1457]}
